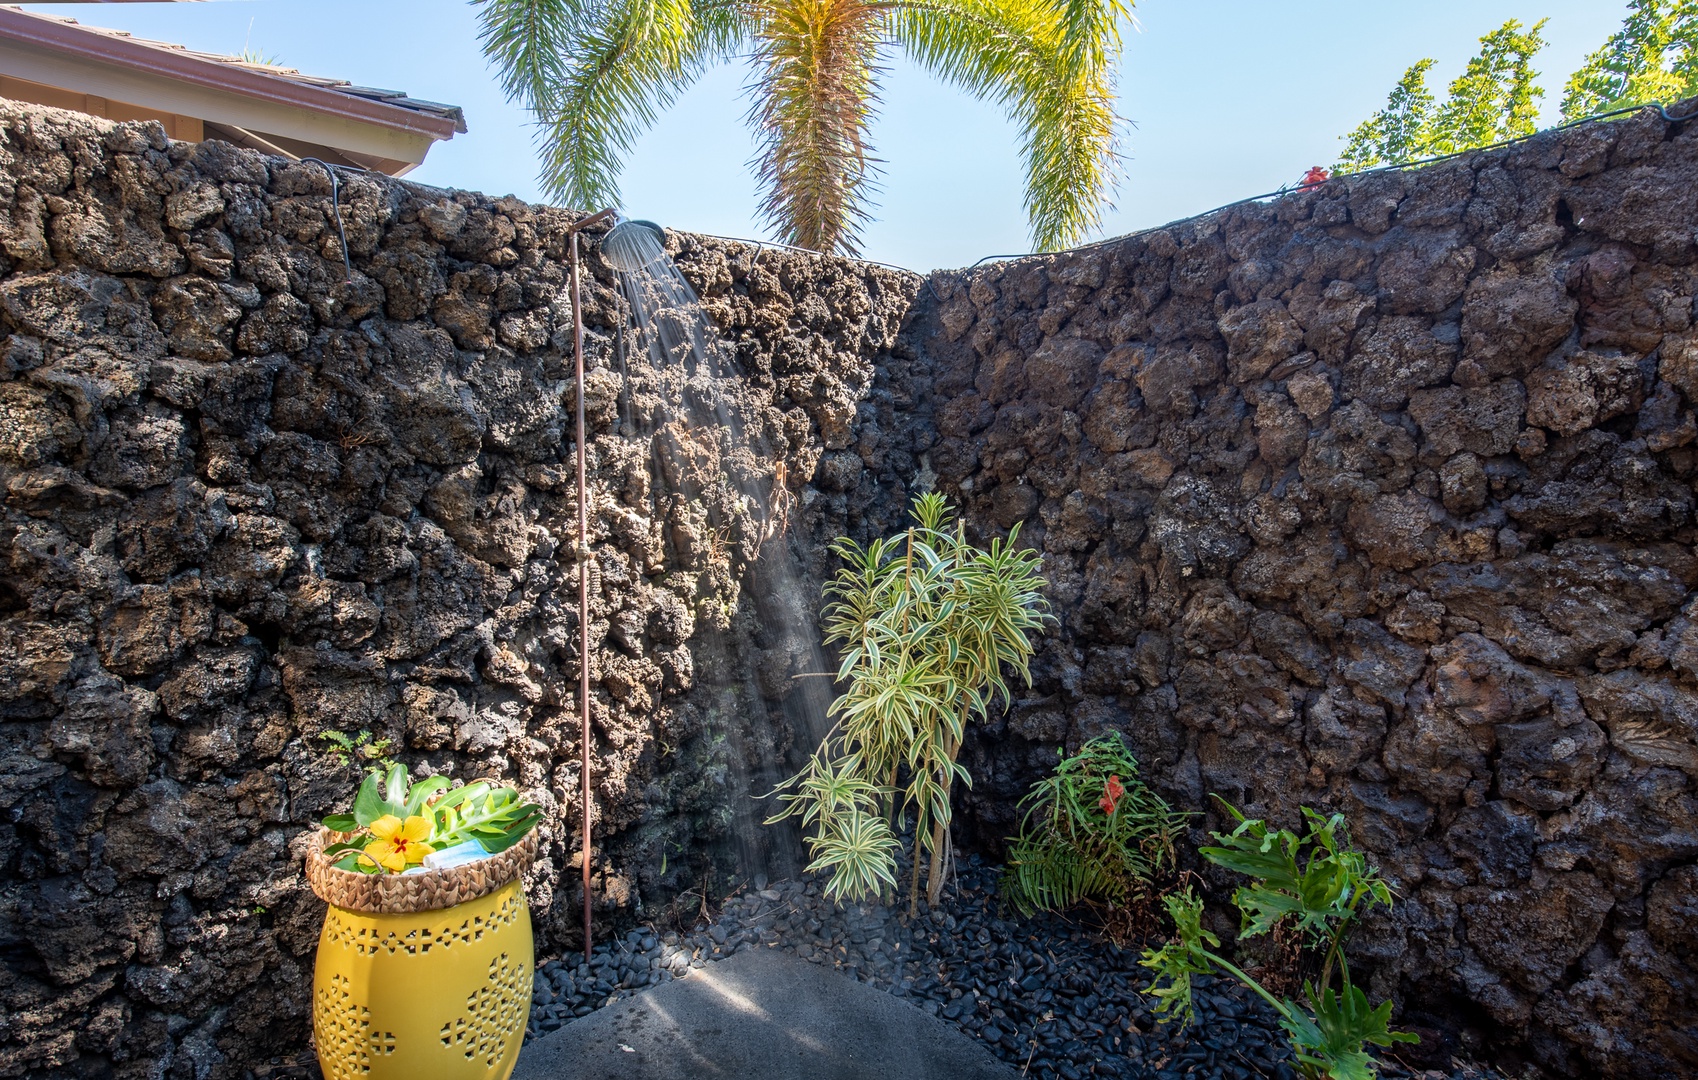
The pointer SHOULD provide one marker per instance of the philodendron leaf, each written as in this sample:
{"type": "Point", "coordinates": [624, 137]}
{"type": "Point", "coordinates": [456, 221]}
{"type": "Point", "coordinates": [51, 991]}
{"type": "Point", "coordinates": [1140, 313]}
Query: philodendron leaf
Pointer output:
{"type": "Point", "coordinates": [341, 823]}
{"type": "Point", "coordinates": [1333, 1042]}
{"type": "Point", "coordinates": [368, 802]}
{"type": "Point", "coordinates": [1182, 957]}
{"type": "Point", "coordinates": [395, 790]}
{"type": "Point", "coordinates": [1263, 908]}
{"type": "Point", "coordinates": [421, 792]}
{"type": "Point", "coordinates": [516, 831]}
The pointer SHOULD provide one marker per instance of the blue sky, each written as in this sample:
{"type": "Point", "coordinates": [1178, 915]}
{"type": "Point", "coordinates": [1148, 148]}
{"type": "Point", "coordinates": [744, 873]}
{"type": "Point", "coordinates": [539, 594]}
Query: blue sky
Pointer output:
{"type": "Point", "coordinates": [1227, 98]}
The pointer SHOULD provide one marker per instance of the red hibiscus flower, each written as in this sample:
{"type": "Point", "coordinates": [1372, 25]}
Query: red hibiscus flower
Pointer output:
{"type": "Point", "coordinates": [1314, 178]}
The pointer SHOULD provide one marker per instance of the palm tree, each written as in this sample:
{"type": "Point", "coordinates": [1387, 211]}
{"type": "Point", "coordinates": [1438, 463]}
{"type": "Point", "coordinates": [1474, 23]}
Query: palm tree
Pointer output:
{"type": "Point", "coordinates": [595, 73]}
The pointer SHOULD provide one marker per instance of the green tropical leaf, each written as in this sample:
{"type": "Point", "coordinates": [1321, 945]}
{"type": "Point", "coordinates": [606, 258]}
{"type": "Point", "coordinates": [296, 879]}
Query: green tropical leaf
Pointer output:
{"type": "Point", "coordinates": [369, 801]}
{"type": "Point", "coordinates": [1332, 1042]}
{"type": "Point", "coordinates": [1312, 878]}
{"type": "Point", "coordinates": [395, 790]}
{"type": "Point", "coordinates": [422, 791]}
{"type": "Point", "coordinates": [1182, 957]}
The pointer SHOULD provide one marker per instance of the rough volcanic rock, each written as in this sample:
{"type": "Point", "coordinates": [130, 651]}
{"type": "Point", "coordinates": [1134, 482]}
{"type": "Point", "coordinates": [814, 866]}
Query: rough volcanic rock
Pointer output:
{"type": "Point", "coordinates": [1399, 471]}
{"type": "Point", "coordinates": [1377, 497]}
{"type": "Point", "coordinates": [247, 504]}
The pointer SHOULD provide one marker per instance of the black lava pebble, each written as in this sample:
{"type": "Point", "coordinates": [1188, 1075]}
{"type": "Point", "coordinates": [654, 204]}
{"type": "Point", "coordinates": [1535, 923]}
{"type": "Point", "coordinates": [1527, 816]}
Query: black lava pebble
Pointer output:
{"type": "Point", "coordinates": [1043, 993]}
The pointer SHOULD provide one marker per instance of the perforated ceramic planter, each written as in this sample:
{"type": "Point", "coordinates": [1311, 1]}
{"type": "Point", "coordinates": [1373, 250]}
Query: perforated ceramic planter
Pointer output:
{"type": "Point", "coordinates": [440, 993]}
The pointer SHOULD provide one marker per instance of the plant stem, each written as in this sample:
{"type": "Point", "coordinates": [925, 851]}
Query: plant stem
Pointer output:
{"type": "Point", "coordinates": [1238, 973]}
{"type": "Point", "coordinates": [914, 880]}
{"type": "Point", "coordinates": [1335, 952]}
{"type": "Point", "coordinates": [919, 820]}
{"type": "Point", "coordinates": [908, 574]}
{"type": "Point", "coordinates": [934, 877]}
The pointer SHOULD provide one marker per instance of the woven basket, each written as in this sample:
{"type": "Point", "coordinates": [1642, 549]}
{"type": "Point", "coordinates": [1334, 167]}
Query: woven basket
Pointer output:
{"type": "Point", "coordinates": [400, 894]}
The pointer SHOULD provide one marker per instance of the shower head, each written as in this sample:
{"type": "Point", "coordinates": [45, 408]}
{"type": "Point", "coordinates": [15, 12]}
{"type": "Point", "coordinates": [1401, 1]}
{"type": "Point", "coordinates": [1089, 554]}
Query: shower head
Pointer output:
{"type": "Point", "coordinates": [632, 245]}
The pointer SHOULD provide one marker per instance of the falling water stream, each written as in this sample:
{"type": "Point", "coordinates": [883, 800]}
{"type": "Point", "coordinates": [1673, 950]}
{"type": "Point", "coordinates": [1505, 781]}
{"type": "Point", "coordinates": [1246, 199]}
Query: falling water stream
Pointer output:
{"type": "Point", "coordinates": [703, 419]}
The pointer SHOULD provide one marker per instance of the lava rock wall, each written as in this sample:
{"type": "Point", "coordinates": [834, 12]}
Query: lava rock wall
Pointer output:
{"type": "Point", "coordinates": [1379, 498]}
{"type": "Point", "coordinates": [250, 499]}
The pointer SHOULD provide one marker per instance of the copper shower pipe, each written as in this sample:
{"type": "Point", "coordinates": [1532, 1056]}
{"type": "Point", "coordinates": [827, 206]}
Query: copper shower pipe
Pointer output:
{"type": "Point", "coordinates": [583, 554]}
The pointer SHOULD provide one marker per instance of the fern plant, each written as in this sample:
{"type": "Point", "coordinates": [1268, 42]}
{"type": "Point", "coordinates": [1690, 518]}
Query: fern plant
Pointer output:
{"type": "Point", "coordinates": [1092, 831]}
{"type": "Point", "coordinates": [1319, 883]}
{"type": "Point", "coordinates": [363, 749]}
{"type": "Point", "coordinates": [928, 622]}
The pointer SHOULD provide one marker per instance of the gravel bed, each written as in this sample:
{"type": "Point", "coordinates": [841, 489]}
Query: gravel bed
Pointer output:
{"type": "Point", "coordinates": [1043, 994]}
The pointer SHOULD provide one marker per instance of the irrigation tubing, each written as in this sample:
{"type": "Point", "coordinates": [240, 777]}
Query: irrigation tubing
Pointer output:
{"type": "Point", "coordinates": [336, 207]}
{"type": "Point", "coordinates": [1662, 110]}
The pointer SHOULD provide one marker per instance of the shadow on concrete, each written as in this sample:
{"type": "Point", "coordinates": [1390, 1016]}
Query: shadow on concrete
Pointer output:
{"type": "Point", "coordinates": [760, 1015]}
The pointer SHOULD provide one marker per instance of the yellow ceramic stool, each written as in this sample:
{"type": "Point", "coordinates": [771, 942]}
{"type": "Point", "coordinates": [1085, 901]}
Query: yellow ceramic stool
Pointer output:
{"type": "Point", "coordinates": [431, 995]}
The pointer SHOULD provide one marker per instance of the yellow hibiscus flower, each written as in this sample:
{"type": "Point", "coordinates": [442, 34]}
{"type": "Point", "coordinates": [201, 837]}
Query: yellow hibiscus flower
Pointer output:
{"type": "Point", "coordinates": [398, 844]}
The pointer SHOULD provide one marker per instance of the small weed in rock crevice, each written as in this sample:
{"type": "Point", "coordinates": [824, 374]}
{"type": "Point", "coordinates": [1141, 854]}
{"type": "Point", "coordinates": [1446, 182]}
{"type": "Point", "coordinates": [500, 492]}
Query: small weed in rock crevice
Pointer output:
{"type": "Point", "coordinates": [362, 749]}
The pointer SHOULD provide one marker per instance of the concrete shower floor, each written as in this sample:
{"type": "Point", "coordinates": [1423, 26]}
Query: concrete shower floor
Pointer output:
{"type": "Point", "coordinates": [760, 1015]}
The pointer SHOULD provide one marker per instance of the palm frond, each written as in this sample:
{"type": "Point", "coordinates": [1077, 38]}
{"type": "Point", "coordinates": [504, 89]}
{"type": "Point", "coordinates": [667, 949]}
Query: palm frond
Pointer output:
{"type": "Point", "coordinates": [596, 74]}
{"type": "Point", "coordinates": [816, 83]}
{"type": "Point", "coordinates": [526, 40]}
{"type": "Point", "coordinates": [1050, 64]}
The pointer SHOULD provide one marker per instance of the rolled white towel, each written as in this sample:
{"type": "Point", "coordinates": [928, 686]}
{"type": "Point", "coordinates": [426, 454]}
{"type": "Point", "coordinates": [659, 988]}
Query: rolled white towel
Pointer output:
{"type": "Point", "coordinates": [460, 854]}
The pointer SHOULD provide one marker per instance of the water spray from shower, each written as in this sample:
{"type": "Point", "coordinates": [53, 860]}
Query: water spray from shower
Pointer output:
{"type": "Point", "coordinates": [633, 245]}
{"type": "Point", "coordinates": [715, 466]}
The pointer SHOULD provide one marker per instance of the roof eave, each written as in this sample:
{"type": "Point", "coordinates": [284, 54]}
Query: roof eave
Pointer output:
{"type": "Point", "coordinates": [75, 42]}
